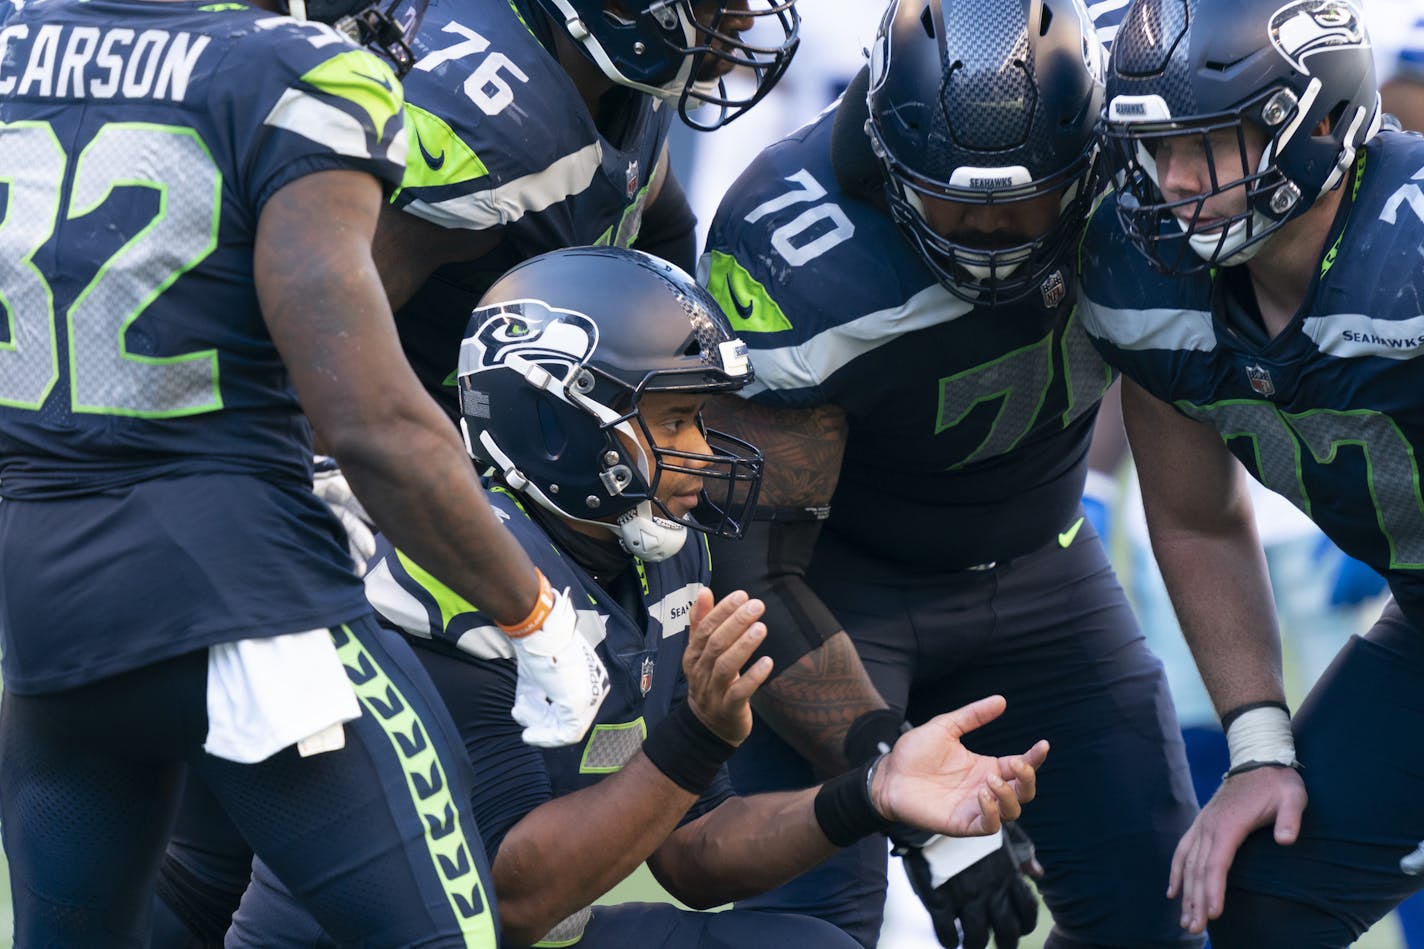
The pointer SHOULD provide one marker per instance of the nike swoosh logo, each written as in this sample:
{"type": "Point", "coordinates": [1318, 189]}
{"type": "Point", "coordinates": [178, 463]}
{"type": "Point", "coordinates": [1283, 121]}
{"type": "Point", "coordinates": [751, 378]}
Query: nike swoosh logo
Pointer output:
{"type": "Point", "coordinates": [1066, 538]}
{"type": "Point", "coordinates": [744, 311]}
{"type": "Point", "coordinates": [381, 81]}
{"type": "Point", "coordinates": [434, 161]}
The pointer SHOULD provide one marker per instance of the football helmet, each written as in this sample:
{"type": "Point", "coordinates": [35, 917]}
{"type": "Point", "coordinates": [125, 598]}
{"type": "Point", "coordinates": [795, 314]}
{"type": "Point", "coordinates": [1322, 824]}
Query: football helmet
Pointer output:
{"type": "Point", "coordinates": [986, 102]}
{"type": "Point", "coordinates": [385, 27]}
{"type": "Point", "coordinates": [681, 50]}
{"type": "Point", "coordinates": [557, 357]}
{"type": "Point", "coordinates": [1210, 69]}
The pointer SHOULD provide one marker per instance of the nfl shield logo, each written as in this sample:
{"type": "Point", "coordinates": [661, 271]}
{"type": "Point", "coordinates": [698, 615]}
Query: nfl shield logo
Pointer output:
{"type": "Point", "coordinates": [1260, 378]}
{"type": "Point", "coordinates": [646, 681]}
{"type": "Point", "coordinates": [632, 178]}
{"type": "Point", "coordinates": [1054, 289]}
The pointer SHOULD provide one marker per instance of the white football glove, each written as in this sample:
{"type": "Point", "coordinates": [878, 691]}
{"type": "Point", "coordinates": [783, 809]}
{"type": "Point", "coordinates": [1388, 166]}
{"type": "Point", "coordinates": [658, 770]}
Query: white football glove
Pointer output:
{"type": "Point", "coordinates": [562, 682]}
{"type": "Point", "coordinates": [330, 485]}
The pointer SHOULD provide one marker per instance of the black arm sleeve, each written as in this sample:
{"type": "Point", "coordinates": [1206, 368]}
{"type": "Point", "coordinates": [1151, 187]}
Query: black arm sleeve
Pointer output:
{"type": "Point", "coordinates": [669, 228]}
{"type": "Point", "coordinates": [770, 562]}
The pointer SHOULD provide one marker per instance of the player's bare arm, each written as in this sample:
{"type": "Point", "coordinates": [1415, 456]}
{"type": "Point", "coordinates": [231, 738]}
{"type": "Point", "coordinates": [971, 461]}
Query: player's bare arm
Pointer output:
{"type": "Point", "coordinates": [408, 250]}
{"type": "Point", "coordinates": [1205, 540]}
{"type": "Point", "coordinates": [569, 851]}
{"type": "Point", "coordinates": [313, 237]}
{"type": "Point", "coordinates": [813, 701]}
{"type": "Point", "coordinates": [930, 780]}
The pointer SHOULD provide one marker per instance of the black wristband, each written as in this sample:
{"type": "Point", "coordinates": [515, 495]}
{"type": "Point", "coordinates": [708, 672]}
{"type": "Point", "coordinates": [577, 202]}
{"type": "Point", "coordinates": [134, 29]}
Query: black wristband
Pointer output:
{"type": "Point", "coordinates": [872, 734]}
{"type": "Point", "coordinates": [1245, 766]}
{"type": "Point", "coordinates": [686, 750]}
{"type": "Point", "coordinates": [844, 809]}
{"type": "Point", "coordinates": [1240, 710]}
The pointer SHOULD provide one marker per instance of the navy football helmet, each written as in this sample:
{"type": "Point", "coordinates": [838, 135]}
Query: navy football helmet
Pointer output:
{"type": "Point", "coordinates": [557, 356]}
{"type": "Point", "coordinates": [1211, 69]}
{"type": "Point", "coordinates": [987, 102]}
{"type": "Point", "coordinates": [385, 27]}
{"type": "Point", "coordinates": [680, 50]}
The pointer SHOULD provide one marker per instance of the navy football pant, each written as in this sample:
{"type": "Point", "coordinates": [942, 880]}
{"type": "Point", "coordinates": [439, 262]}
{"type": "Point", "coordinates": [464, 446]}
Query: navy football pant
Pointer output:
{"type": "Point", "coordinates": [1052, 632]}
{"type": "Point", "coordinates": [1357, 734]}
{"type": "Point", "coordinates": [376, 838]}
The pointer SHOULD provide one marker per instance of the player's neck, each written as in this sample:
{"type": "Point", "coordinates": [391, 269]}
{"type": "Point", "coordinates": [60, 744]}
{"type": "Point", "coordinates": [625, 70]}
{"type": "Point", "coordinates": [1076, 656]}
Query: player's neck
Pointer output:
{"type": "Point", "coordinates": [587, 78]}
{"type": "Point", "coordinates": [1282, 272]}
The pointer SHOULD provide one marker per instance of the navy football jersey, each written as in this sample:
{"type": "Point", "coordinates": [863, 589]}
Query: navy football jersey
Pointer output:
{"type": "Point", "coordinates": [643, 653]}
{"type": "Point", "coordinates": [501, 139]}
{"type": "Point", "coordinates": [139, 143]}
{"type": "Point", "coordinates": [968, 426]}
{"type": "Point", "coordinates": [1329, 413]}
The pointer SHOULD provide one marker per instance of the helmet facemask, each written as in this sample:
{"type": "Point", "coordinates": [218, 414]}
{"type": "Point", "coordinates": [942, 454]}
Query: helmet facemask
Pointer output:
{"type": "Point", "coordinates": [666, 49]}
{"type": "Point", "coordinates": [1175, 235]}
{"type": "Point", "coordinates": [982, 275]}
{"type": "Point", "coordinates": [385, 27]}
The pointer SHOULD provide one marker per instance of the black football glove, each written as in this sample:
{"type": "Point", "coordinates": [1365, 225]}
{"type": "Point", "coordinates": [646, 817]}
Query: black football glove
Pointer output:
{"type": "Point", "coordinates": [992, 893]}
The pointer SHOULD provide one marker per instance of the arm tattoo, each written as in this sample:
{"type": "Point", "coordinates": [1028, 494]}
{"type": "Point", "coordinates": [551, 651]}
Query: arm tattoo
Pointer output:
{"type": "Point", "coordinates": [813, 703]}
{"type": "Point", "coordinates": [803, 448]}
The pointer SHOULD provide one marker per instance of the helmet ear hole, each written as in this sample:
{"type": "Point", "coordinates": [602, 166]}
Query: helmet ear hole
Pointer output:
{"type": "Point", "coordinates": [554, 433]}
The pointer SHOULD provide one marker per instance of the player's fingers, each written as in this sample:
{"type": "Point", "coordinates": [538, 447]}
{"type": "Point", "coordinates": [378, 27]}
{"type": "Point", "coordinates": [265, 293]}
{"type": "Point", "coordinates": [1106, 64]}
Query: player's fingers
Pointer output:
{"type": "Point", "coordinates": [710, 638]}
{"type": "Point", "coordinates": [1019, 773]}
{"type": "Point", "coordinates": [1218, 863]}
{"type": "Point", "coordinates": [989, 820]}
{"type": "Point", "coordinates": [969, 717]}
{"type": "Point", "coordinates": [1006, 797]}
{"type": "Point", "coordinates": [1287, 825]}
{"type": "Point", "coordinates": [729, 664]}
{"type": "Point", "coordinates": [732, 626]}
{"type": "Point", "coordinates": [1179, 858]}
{"type": "Point", "coordinates": [1199, 879]}
{"type": "Point", "coordinates": [712, 615]}
{"type": "Point", "coordinates": [726, 642]}
{"type": "Point", "coordinates": [752, 679]}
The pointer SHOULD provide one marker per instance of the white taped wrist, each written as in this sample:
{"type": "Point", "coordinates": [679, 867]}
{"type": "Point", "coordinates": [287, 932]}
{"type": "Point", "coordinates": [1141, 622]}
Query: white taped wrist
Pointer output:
{"type": "Point", "coordinates": [949, 856]}
{"type": "Point", "coordinates": [1261, 736]}
{"type": "Point", "coordinates": [557, 630]}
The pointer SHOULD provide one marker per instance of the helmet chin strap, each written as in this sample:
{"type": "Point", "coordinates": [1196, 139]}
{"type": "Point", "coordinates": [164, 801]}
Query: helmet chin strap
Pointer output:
{"type": "Point", "coordinates": [1229, 252]}
{"type": "Point", "coordinates": [647, 536]}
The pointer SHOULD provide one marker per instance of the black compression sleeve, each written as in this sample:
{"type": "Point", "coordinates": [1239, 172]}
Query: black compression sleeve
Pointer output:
{"type": "Point", "coordinates": [769, 562]}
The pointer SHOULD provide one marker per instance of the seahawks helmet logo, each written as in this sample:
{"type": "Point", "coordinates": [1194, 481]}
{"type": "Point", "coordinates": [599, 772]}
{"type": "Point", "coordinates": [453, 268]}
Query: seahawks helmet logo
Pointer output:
{"type": "Point", "coordinates": [1305, 27]}
{"type": "Point", "coordinates": [555, 340]}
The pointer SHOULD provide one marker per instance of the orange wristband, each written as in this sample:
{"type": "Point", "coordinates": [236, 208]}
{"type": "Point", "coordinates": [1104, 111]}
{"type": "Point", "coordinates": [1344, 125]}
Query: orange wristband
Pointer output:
{"type": "Point", "coordinates": [543, 606]}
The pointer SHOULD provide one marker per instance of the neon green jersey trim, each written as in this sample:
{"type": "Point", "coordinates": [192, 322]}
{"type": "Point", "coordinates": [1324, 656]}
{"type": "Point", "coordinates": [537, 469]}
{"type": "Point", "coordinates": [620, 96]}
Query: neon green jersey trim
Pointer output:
{"type": "Point", "coordinates": [748, 306]}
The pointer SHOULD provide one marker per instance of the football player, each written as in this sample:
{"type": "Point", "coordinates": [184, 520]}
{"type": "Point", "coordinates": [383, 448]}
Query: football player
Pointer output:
{"type": "Point", "coordinates": [608, 354]}
{"type": "Point", "coordinates": [533, 125]}
{"type": "Point", "coordinates": [902, 270]}
{"type": "Point", "coordinates": [191, 194]}
{"type": "Point", "coordinates": [1270, 324]}
{"type": "Point", "coordinates": [540, 124]}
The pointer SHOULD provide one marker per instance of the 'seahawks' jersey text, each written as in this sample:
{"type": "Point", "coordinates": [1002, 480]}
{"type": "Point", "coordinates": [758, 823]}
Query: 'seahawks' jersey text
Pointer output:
{"type": "Point", "coordinates": [968, 426]}
{"type": "Point", "coordinates": [501, 139]}
{"type": "Point", "coordinates": [1329, 413]}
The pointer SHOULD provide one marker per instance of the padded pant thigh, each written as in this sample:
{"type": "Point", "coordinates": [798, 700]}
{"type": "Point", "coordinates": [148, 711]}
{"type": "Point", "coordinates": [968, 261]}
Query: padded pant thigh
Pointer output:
{"type": "Point", "coordinates": [1354, 734]}
{"type": "Point", "coordinates": [89, 782]}
{"type": "Point", "coordinates": [376, 840]}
